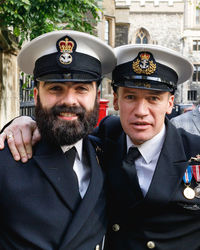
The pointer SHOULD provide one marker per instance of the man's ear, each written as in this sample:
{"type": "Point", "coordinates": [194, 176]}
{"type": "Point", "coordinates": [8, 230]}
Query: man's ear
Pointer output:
{"type": "Point", "coordinates": [35, 93]}
{"type": "Point", "coordinates": [115, 101]}
{"type": "Point", "coordinates": [170, 104]}
{"type": "Point", "coordinates": [98, 95]}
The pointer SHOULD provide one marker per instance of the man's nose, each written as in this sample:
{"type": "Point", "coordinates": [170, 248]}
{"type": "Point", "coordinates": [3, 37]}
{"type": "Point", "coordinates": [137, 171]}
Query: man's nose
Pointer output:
{"type": "Point", "coordinates": [141, 108]}
{"type": "Point", "coordinates": [69, 98]}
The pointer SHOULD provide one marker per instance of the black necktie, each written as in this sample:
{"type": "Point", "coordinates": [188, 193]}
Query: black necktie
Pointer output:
{"type": "Point", "coordinates": [128, 167]}
{"type": "Point", "coordinates": [70, 155]}
{"type": "Point", "coordinates": [133, 154]}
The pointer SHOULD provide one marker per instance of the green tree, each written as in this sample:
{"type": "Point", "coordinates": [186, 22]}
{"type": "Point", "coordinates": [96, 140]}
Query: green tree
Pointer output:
{"type": "Point", "coordinates": [28, 19]}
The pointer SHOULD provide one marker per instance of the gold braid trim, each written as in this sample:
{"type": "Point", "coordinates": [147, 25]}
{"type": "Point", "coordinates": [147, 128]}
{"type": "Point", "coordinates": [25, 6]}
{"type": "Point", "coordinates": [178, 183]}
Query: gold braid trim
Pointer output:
{"type": "Point", "coordinates": [150, 70]}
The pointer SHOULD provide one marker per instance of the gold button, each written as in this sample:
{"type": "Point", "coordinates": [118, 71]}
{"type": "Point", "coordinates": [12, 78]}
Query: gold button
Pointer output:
{"type": "Point", "coordinates": [151, 244]}
{"type": "Point", "coordinates": [115, 227]}
{"type": "Point", "coordinates": [97, 247]}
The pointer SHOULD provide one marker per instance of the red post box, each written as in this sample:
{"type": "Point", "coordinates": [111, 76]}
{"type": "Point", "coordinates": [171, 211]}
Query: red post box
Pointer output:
{"type": "Point", "coordinates": [103, 109]}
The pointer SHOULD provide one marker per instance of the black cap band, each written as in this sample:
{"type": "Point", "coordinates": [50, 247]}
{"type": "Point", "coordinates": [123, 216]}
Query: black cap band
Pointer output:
{"type": "Point", "coordinates": [68, 77]}
{"type": "Point", "coordinates": [83, 68]}
{"type": "Point", "coordinates": [160, 78]}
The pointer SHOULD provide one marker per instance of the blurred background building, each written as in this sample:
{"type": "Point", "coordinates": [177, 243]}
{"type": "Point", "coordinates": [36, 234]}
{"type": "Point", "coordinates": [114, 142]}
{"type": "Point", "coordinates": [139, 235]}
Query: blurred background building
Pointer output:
{"type": "Point", "coordinates": [171, 23]}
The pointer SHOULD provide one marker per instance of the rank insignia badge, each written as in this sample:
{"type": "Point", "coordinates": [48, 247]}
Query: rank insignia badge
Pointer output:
{"type": "Point", "coordinates": [144, 63]}
{"type": "Point", "coordinates": [192, 171]}
{"type": "Point", "coordinates": [66, 47]}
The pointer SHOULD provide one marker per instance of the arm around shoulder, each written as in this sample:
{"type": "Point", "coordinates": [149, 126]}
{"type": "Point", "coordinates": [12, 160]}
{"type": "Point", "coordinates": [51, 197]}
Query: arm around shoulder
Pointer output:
{"type": "Point", "coordinates": [21, 134]}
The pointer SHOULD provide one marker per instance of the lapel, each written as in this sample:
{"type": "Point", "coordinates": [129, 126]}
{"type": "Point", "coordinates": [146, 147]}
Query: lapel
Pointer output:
{"type": "Point", "coordinates": [170, 168]}
{"type": "Point", "coordinates": [91, 197]}
{"type": "Point", "coordinates": [196, 118]}
{"type": "Point", "coordinates": [52, 162]}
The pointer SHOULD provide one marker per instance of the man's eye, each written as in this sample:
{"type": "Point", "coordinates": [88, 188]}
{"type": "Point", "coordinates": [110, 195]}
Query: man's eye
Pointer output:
{"type": "Point", "coordinates": [81, 88]}
{"type": "Point", "coordinates": [129, 97]}
{"type": "Point", "coordinates": [153, 98]}
{"type": "Point", "coordinates": [56, 88]}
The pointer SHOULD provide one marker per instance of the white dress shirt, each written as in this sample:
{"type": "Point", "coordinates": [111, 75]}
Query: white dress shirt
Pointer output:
{"type": "Point", "coordinates": [80, 167]}
{"type": "Point", "coordinates": [146, 163]}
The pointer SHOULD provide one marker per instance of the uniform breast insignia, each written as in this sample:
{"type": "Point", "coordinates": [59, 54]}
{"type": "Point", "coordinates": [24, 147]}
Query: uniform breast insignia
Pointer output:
{"type": "Point", "coordinates": [188, 192]}
{"type": "Point", "coordinates": [98, 150]}
{"type": "Point", "coordinates": [195, 163]}
{"type": "Point", "coordinates": [66, 46]}
{"type": "Point", "coordinates": [196, 174]}
{"type": "Point", "coordinates": [192, 170]}
{"type": "Point", "coordinates": [193, 207]}
{"type": "Point", "coordinates": [99, 153]}
{"type": "Point", "coordinates": [144, 63]}
{"type": "Point", "coordinates": [195, 159]}
{"type": "Point", "coordinates": [97, 247]}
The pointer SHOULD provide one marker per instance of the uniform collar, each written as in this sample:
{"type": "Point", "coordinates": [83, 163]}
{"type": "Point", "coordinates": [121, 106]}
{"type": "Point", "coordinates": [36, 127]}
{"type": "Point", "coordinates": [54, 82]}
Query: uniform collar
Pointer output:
{"type": "Point", "coordinates": [150, 148]}
{"type": "Point", "coordinates": [79, 148]}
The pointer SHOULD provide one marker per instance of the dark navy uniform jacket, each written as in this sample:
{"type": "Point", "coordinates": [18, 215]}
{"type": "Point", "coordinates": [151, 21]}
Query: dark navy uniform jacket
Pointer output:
{"type": "Point", "coordinates": [164, 219]}
{"type": "Point", "coordinates": [37, 210]}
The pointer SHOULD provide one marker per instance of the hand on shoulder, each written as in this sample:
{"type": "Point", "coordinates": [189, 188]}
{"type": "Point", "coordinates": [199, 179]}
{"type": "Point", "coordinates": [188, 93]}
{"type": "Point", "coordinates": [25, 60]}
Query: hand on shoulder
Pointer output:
{"type": "Point", "coordinates": [21, 134]}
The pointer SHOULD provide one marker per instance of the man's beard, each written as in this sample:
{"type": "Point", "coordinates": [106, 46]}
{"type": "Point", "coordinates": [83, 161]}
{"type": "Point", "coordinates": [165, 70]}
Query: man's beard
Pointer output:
{"type": "Point", "coordinates": [61, 132]}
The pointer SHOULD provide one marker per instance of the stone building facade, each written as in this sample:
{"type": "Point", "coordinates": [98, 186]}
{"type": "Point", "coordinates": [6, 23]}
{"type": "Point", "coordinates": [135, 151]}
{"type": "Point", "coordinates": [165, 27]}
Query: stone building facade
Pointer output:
{"type": "Point", "coordinates": [191, 48]}
{"type": "Point", "coordinates": [171, 23]}
{"type": "Point", "coordinates": [9, 82]}
{"type": "Point", "coordinates": [106, 30]}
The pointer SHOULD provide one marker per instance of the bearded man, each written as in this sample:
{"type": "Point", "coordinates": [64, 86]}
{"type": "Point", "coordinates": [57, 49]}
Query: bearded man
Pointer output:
{"type": "Point", "coordinates": [56, 200]}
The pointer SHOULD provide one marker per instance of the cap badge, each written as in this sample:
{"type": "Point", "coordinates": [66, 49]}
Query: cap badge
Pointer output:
{"type": "Point", "coordinates": [66, 46]}
{"type": "Point", "coordinates": [144, 63]}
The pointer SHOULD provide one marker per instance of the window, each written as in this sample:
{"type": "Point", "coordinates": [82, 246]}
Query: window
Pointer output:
{"type": "Point", "coordinates": [138, 40]}
{"type": "Point", "coordinates": [121, 34]}
{"type": "Point", "coordinates": [192, 95]}
{"type": "Point", "coordinates": [196, 45]}
{"type": "Point", "coordinates": [106, 32]}
{"type": "Point", "coordinates": [197, 16]}
{"type": "Point", "coordinates": [141, 37]}
{"type": "Point", "coordinates": [109, 30]}
{"type": "Point", "coordinates": [196, 74]}
{"type": "Point", "coordinates": [197, 8]}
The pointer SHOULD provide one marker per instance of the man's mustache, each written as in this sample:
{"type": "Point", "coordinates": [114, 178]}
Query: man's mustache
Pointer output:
{"type": "Point", "coordinates": [79, 111]}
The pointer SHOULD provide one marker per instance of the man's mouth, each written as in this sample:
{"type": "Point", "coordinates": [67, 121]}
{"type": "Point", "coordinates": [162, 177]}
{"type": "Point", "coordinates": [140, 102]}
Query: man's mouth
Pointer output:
{"type": "Point", "coordinates": [67, 116]}
{"type": "Point", "coordinates": [141, 124]}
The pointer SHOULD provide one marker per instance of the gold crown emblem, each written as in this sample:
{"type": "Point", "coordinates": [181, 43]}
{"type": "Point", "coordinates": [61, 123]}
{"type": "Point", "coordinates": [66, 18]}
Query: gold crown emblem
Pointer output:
{"type": "Point", "coordinates": [66, 46]}
{"type": "Point", "coordinates": [144, 56]}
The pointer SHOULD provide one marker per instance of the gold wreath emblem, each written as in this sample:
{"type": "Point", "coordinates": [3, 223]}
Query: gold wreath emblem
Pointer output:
{"type": "Point", "coordinates": [138, 70]}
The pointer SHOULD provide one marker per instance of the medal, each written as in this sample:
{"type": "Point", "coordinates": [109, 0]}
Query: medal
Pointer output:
{"type": "Point", "coordinates": [196, 173]}
{"type": "Point", "coordinates": [197, 191]}
{"type": "Point", "coordinates": [188, 192]}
